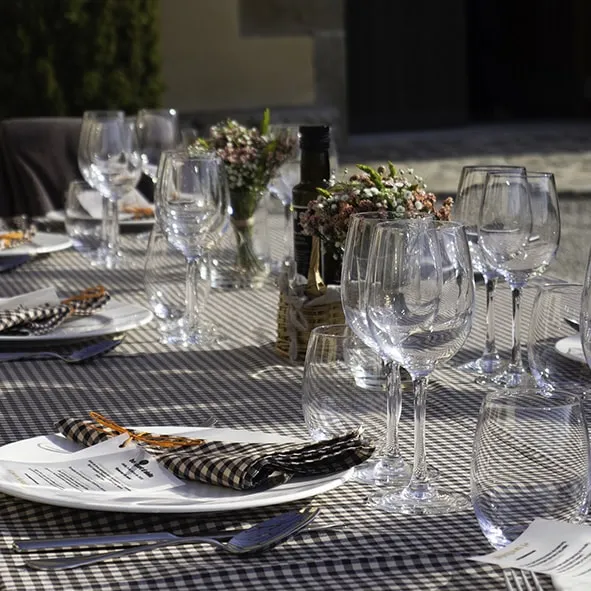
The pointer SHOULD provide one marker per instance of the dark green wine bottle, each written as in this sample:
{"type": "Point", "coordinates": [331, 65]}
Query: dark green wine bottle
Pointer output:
{"type": "Point", "coordinates": [314, 173]}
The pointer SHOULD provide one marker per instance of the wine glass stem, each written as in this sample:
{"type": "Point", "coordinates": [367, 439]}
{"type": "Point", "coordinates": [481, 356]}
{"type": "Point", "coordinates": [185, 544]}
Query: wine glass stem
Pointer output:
{"type": "Point", "coordinates": [287, 231]}
{"type": "Point", "coordinates": [490, 346]}
{"type": "Point", "coordinates": [516, 361]}
{"type": "Point", "coordinates": [391, 450]}
{"type": "Point", "coordinates": [110, 228]}
{"type": "Point", "coordinates": [419, 481]}
{"type": "Point", "coordinates": [191, 291]}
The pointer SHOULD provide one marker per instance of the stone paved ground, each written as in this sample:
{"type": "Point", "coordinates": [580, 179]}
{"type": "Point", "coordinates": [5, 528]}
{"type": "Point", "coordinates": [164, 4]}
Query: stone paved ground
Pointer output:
{"type": "Point", "coordinates": [438, 156]}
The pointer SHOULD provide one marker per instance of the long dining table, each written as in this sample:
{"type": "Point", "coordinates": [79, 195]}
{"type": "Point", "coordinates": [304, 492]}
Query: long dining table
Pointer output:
{"type": "Point", "coordinates": [244, 384]}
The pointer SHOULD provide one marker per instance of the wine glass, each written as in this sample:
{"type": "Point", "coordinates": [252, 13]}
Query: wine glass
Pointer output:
{"type": "Point", "coordinates": [387, 465]}
{"type": "Point", "coordinates": [109, 161]}
{"type": "Point", "coordinates": [466, 210]}
{"type": "Point", "coordinates": [158, 130]}
{"type": "Point", "coordinates": [192, 210]}
{"type": "Point", "coordinates": [420, 300]}
{"type": "Point", "coordinates": [519, 230]}
{"type": "Point", "coordinates": [281, 185]}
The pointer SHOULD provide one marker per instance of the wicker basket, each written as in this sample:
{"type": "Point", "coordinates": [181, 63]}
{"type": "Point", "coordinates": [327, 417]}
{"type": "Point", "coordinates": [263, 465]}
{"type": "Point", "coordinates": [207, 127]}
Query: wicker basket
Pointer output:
{"type": "Point", "coordinates": [329, 313]}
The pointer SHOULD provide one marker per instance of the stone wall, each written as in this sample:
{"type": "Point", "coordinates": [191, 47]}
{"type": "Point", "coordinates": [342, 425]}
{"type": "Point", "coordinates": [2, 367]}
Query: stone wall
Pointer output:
{"type": "Point", "coordinates": [236, 57]}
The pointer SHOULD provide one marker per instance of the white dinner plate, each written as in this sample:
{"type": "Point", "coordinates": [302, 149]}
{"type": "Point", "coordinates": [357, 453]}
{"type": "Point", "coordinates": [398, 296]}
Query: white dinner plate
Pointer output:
{"type": "Point", "coordinates": [190, 497]}
{"type": "Point", "coordinates": [59, 215]}
{"type": "Point", "coordinates": [115, 317]}
{"type": "Point", "coordinates": [571, 348]}
{"type": "Point", "coordinates": [41, 243]}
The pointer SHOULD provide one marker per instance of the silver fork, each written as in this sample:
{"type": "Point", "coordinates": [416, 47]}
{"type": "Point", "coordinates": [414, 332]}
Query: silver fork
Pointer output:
{"type": "Point", "coordinates": [521, 580]}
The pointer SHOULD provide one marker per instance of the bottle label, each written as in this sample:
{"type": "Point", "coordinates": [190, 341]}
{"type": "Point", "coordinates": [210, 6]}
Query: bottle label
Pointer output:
{"type": "Point", "coordinates": [302, 243]}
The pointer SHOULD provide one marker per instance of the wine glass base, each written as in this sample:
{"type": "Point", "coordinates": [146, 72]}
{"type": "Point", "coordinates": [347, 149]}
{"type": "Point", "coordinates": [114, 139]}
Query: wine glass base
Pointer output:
{"type": "Point", "coordinates": [107, 260]}
{"type": "Point", "coordinates": [380, 472]}
{"type": "Point", "coordinates": [483, 366]}
{"type": "Point", "coordinates": [204, 335]}
{"type": "Point", "coordinates": [434, 502]}
{"type": "Point", "coordinates": [513, 379]}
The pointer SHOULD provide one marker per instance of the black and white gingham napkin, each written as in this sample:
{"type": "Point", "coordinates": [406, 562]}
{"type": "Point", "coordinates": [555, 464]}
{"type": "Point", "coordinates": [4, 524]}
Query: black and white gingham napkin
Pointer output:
{"type": "Point", "coordinates": [38, 320]}
{"type": "Point", "coordinates": [242, 466]}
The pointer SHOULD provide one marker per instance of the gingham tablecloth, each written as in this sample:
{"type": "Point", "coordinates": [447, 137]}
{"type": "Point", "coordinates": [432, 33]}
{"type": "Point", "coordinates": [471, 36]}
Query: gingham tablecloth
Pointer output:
{"type": "Point", "coordinates": [245, 385]}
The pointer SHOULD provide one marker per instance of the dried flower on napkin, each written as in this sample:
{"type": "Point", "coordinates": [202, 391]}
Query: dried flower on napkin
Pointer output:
{"type": "Point", "coordinates": [15, 238]}
{"type": "Point", "coordinates": [41, 319]}
{"type": "Point", "coordinates": [138, 213]}
{"type": "Point", "coordinates": [241, 466]}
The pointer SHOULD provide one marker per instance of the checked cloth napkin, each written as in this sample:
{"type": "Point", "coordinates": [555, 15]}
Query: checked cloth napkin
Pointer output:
{"type": "Point", "coordinates": [241, 466]}
{"type": "Point", "coordinates": [43, 318]}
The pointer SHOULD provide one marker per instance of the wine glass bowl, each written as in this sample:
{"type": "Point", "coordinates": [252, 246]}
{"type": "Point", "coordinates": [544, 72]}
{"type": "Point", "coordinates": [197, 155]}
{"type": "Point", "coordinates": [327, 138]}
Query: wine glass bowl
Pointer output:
{"type": "Point", "coordinates": [158, 130]}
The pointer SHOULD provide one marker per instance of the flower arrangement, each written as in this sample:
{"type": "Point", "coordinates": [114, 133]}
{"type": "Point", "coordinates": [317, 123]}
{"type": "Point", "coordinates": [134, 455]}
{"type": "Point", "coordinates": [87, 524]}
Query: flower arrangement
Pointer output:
{"type": "Point", "coordinates": [382, 189]}
{"type": "Point", "coordinates": [252, 157]}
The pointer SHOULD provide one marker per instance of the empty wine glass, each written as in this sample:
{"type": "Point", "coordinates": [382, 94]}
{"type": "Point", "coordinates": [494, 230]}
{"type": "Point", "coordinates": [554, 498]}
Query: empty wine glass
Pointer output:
{"type": "Point", "coordinates": [466, 210]}
{"type": "Point", "coordinates": [519, 230]}
{"type": "Point", "coordinates": [192, 209]}
{"type": "Point", "coordinates": [158, 130]}
{"type": "Point", "coordinates": [420, 300]}
{"type": "Point", "coordinates": [282, 183]}
{"type": "Point", "coordinates": [387, 465]}
{"type": "Point", "coordinates": [109, 161]}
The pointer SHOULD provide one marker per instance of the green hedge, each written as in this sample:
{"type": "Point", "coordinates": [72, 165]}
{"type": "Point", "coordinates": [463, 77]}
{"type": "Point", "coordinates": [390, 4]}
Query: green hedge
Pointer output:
{"type": "Point", "coordinates": [62, 57]}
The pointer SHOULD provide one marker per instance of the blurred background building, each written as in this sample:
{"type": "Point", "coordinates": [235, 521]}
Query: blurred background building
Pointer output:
{"type": "Point", "coordinates": [432, 84]}
{"type": "Point", "coordinates": [380, 65]}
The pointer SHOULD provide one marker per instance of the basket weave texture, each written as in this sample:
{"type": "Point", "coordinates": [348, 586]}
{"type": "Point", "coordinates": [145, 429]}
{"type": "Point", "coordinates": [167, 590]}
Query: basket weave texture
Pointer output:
{"type": "Point", "coordinates": [317, 315]}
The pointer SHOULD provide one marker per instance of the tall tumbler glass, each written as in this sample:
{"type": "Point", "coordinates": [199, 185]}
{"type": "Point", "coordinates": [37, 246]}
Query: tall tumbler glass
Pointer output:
{"type": "Point", "coordinates": [530, 459]}
{"type": "Point", "coordinates": [554, 350]}
{"type": "Point", "coordinates": [466, 211]}
{"type": "Point", "coordinates": [343, 384]}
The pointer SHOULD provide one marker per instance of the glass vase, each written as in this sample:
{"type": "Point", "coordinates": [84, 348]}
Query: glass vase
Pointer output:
{"type": "Point", "coordinates": [243, 258]}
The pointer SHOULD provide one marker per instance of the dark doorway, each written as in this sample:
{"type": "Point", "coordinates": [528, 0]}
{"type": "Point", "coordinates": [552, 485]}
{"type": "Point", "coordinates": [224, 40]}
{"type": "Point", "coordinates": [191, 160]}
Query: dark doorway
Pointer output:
{"type": "Point", "coordinates": [522, 60]}
{"type": "Point", "coordinates": [420, 64]}
{"type": "Point", "coordinates": [405, 64]}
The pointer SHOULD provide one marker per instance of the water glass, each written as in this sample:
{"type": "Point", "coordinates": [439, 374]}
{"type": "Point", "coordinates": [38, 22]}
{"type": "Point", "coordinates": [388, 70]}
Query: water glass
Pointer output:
{"type": "Point", "coordinates": [554, 349]}
{"type": "Point", "coordinates": [530, 459]}
{"type": "Point", "coordinates": [84, 221]}
{"type": "Point", "coordinates": [165, 272]}
{"type": "Point", "coordinates": [344, 384]}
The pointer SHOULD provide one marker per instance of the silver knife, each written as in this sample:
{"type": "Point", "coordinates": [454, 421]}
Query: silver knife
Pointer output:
{"type": "Point", "coordinates": [120, 539]}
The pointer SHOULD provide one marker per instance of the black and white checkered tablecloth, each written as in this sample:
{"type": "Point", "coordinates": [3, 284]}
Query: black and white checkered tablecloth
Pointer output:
{"type": "Point", "coordinates": [245, 385]}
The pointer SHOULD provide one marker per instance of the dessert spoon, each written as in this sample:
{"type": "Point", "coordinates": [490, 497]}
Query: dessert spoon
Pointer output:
{"type": "Point", "coordinates": [254, 540]}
